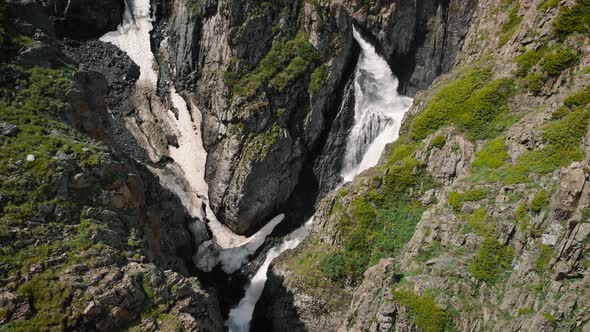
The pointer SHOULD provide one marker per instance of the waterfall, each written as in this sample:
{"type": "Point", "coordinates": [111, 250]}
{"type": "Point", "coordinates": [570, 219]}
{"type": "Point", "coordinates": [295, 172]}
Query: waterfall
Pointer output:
{"type": "Point", "coordinates": [241, 315]}
{"type": "Point", "coordinates": [378, 111]}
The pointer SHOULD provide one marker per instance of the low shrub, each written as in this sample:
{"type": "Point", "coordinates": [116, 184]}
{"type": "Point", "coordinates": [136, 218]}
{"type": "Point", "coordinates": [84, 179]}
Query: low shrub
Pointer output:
{"type": "Point", "coordinates": [285, 61]}
{"type": "Point", "coordinates": [540, 201]}
{"type": "Point", "coordinates": [480, 222]}
{"type": "Point", "coordinates": [455, 201]}
{"type": "Point", "coordinates": [473, 102]}
{"type": "Point", "coordinates": [526, 61]}
{"type": "Point", "coordinates": [439, 141]}
{"type": "Point", "coordinates": [492, 258]}
{"type": "Point", "coordinates": [534, 82]}
{"type": "Point", "coordinates": [558, 60]}
{"type": "Point", "coordinates": [426, 314]}
{"type": "Point", "coordinates": [493, 155]}
{"type": "Point", "coordinates": [574, 20]}
{"type": "Point", "coordinates": [318, 79]}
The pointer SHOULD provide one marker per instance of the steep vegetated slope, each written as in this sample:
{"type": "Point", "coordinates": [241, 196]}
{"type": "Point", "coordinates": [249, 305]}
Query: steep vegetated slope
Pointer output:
{"type": "Point", "coordinates": [478, 217]}
{"type": "Point", "coordinates": [89, 238]}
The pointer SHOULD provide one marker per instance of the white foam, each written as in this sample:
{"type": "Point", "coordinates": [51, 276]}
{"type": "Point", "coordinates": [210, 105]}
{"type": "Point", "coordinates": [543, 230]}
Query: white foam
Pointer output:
{"type": "Point", "coordinates": [379, 111]}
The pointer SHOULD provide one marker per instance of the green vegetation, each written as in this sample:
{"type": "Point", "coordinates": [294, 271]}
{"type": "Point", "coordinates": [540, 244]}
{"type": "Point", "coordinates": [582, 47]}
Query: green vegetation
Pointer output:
{"type": "Point", "coordinates": [548, 4]}
{"type": "Point", "coordinates": [491, 260]}
{"type": "Point", "coordinates": [578, 99]}
{"type": "Point", "coordinates": [534, 82]}
{"type": "Point", "coordinates": [432, 251]}
{"type": "Point", "coordinates": [258, 145]}
{"type": "Point", "coordinates": [473, 102]}
{"type": "Point", "coordinates": [562, 138]}
{"type": "Point", "coordinates": [524, 311]}
{"type": "Point", "coordinates": [455, 201]}
{"type": "Point", "coordinates": [480, 222]}
{"type": "Point", "coordinates": [493, 155]}
{"type": "Point", "coordinates": [526, 61]}
{"type": "Point", "coordinates": [439, 141]}
{"type": "Point", "coordinates": [285, 62]}
{"type": "Point", "coordinates": [574, 20]}
{"type": "Point", "coordinates": [51, 301]}
{"type": "Point", "coordinates": [511, 25]}
{"type": "Point", "coordinates": [549, 317]}
{"type": "Point", "coordinates": [318, 79]}
{"type": "Point", "coordinates": [373, 232]}
{"type": "Point", "coordinates": [33, 107]}
{"type": "Point", "coordinates": [426, 314]}
{"type": "Point", "coordinates": [473, 195]}
{"type": "Point", "coordinates": [540, 201]}
{"type": "Point", "coordinates": [558, 60]}
{"type": "Point", "coordinates": [545, 255]}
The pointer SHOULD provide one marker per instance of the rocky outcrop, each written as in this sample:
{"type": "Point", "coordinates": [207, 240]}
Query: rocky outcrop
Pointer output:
{"type": "Point", "coordinates": [500, 243]}
{"type": "Point", "coordinates": [92, 240]}
{"type": "Point", "coordinates": [85, 19]}
{"type": "Point", "coordinates": [288, 128]}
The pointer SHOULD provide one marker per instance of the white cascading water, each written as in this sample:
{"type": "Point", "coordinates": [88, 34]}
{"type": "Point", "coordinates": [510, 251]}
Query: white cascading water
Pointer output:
{"type": "Point", "coordinates": [379, 110]}
{"type": "Point", "coordinates": [241, 315]}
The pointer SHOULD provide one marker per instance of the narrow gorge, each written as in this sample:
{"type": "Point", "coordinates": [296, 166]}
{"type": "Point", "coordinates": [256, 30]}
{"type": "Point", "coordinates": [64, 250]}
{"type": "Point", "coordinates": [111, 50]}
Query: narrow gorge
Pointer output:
{"type": "Point", "coordinates": [294, 165]}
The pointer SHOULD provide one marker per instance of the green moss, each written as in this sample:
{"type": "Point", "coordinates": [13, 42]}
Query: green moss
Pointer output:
{"type": "Point", "coordinates": [511, 25]}
{"type": "Point", "coordinates": [550, 318]}
{"type": "Point", "coordinates": [563, 140]}
{"type": "Point", "coordinates": [558, 60]}
{"type": "Point", "coordinates": [370, 234]}
{"type": "Point", "coordinates": [545, 255]}
{"type": "Point", "coordinates": [455, 201]}
{"type": "Point", "coordinates": [480, 222]}
{"type": "Point", "coordinates": [540, 201]}
{"type": "Point", "coordinates": [51, 302]}
{"type": "Point", "coordinates": [318, 79]}
{"type": "Point", "coordinates": [491, 260]}
{"type": "Point", "coordinates": [285, 62]}
{"type": "Point", "coordinates": [259, 145]}
{"type": "Point", "coordinates": [439, 141]}
{"type": "Point", "coordinates": [574, 20]}
{"type": "Point", "coordinates": [493, 155]}
{"type": "Point", "coordinates": [473, 102]}
{"type": "Point", "coordinates": [425, 313]}
{"type": "Point", "coordinates": [524, 311]}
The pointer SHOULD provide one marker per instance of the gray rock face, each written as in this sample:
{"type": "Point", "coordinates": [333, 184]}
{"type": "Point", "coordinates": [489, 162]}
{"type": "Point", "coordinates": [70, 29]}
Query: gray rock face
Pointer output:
{"type": "Point", "coordinates": [329, 163]}
{"type": "Point", "coordinates": [85, 19]}
{"type": "Point", "coordinates": [420, 40]}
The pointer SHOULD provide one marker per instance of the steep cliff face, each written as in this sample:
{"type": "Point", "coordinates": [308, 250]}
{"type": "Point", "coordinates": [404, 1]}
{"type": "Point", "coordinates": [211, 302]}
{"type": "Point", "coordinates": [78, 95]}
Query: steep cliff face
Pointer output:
{"type": "Point", "coordinates": [476, 218]}
{"type": "Point", "coordinates": [270, 78]}
{"type": "Point", "coordinates": [89, 238]}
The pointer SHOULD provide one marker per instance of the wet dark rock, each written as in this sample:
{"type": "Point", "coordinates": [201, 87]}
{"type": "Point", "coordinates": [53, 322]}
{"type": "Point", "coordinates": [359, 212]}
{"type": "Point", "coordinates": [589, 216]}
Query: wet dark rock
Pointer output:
{"type": "Point", "coordinates": [9, 129]}
{"type": "Point", "coordinates": [85, 19]}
